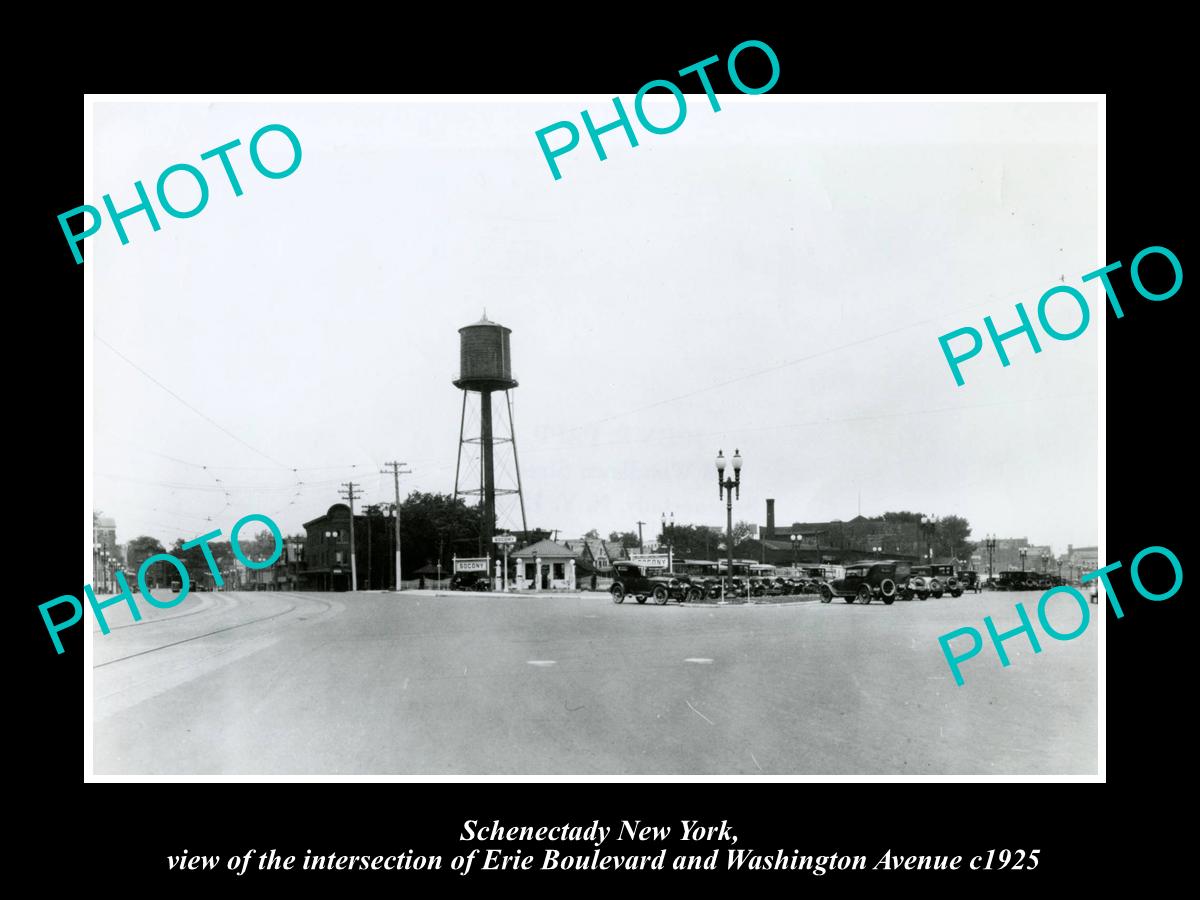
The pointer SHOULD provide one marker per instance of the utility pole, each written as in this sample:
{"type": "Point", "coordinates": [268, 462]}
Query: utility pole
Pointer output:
{"type": "Point", "coordinates": [641, 543]}
{"type": "Point", "coordinates": [351, 496]}
{"type": "Point", "coordinates": [396, 473]}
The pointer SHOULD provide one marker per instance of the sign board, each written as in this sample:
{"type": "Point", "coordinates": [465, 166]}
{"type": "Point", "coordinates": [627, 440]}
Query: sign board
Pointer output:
{"type": "Point", "coordinates": [649, 559]}
{"type": "Point", "coordinates": [504, 539]}
{"type": "Point", "coordinates": [471, 565]}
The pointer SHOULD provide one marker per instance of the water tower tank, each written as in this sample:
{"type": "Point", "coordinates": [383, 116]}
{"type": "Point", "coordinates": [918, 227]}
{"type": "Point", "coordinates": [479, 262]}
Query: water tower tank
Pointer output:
{"type": "Point", "coordinates": [485, 363]}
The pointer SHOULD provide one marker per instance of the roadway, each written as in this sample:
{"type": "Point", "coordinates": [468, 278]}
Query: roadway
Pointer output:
{"type": "Point", "coordinates": [277, 683]}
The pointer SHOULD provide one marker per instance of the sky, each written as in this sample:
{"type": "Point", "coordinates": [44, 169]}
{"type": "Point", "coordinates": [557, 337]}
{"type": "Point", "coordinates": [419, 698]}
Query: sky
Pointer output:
{"type": "Point", "coordinates": [772, 278]}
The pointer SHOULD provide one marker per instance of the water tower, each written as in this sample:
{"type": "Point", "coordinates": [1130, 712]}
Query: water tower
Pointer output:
{"type": "Point", "coordinates": [486, 368]}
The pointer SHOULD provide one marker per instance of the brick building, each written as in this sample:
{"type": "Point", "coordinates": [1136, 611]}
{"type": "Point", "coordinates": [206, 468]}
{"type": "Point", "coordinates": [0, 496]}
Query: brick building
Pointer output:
{"type": "Point", "coordinates": [324, 563]}
{"type": "Point", "coordinates": [841, 542]}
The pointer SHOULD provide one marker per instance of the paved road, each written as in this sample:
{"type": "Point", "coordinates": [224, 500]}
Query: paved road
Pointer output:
{"type": "Point", "coordinates": [366, 683]}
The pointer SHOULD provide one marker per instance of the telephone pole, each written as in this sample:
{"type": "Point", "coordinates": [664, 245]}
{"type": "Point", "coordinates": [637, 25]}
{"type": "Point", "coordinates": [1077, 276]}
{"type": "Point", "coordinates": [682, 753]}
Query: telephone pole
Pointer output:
{"type": "Point", "coordinates": [641, 543]}
{"type": "Point", "coordinates": [351, 496]}
{"type": "Point", "coordinates": [397, 471]}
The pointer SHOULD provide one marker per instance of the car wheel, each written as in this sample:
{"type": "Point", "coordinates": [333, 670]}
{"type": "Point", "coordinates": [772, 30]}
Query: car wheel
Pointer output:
{"type": "Point", "coordinates": [937, 595]}
{"type": "Point", "coordinates": [618, 593]}
{"type": "Point", "coordinates": [956, 593]}
{"type": "Point", "coordinates": [695, 595]}
{"type": "Point", "coordinates": [888, 601]}
{"type": "Point", "coordinates": [923, 595]}
{"type": "Point", "coordinates": [887, 588]}
{"type": "Point", "coordinates": [660, 595]}
{"type": "Point", "coordinates": [826, 593]}
{"type": "Point", "coordinates": [864, 595]}
{"type": "Point", "coordinates": [641, 598]}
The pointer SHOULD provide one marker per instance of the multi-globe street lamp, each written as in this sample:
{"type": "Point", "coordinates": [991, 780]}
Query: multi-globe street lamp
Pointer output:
{"type": "Point", "coordinates": [668, 526]}
{"type": "Point", "coordinates": [928, 528]}
{"type": "Point", "coordinates": [727, 488]}
{"type": "Point", "coordinates": [990, 543]}
{"type": "Point", "coordinates": [795, 539]}
{"type": "Point", "coordinates": [1023, 553]}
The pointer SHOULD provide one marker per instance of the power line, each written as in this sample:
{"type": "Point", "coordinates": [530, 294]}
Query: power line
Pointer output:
{"type": "Point", "coordinates": [351, 496]}
{"type": "Point", "coordinates": [202, 415]}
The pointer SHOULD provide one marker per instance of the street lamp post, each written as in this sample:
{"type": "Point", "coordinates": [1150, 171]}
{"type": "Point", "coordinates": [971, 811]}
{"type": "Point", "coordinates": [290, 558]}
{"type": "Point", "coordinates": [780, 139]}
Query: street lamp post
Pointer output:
{"type": "Point", "coordinates": [727, 488]}
{"type": "Point", "coordinates": [668, 525]}
{"type": "Point", "coordinates": [928, 526]}
{"type": "Point", "coordinates": [991, 549]}
{"type": "Point", "coordinates": [796, 539]}
{"type": "Point", "coordinates": [1023, 553]}
{"type": "Point", "coordinates": [1045, 563]}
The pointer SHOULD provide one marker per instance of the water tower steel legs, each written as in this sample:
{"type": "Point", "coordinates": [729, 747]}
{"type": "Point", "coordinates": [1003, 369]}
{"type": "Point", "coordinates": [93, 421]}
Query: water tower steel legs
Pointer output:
{"type": "Point", "coordinates": [489, 478]}
{"type": "Point", "coordinates": [458, 464]}
{"type": "Point", "coordinates": [512, 433]}
{"type": "Point", "coordinates": [487, 481]}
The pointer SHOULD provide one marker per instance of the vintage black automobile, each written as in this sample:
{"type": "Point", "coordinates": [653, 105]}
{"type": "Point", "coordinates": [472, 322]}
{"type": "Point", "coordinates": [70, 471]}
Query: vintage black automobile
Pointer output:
{"type": "Point", "coordinates": [470, 581]}
{"type": "Point", "coordinates": [638, 581]}
{"type": "Point", "coordinates": [868, 580]}
{"type": "Point", "coordinates": [1011, 581]}
{"type": "Point", "coordinates": [970, 581]}
{"type": "Point", "coordinates": [921, 584]}
{"type": "Point", "coordinates": [701, 575]}
{"type": "Point", "coordinates": [813, 578]}
{"type": "Point", "coordinates": [949, 581]}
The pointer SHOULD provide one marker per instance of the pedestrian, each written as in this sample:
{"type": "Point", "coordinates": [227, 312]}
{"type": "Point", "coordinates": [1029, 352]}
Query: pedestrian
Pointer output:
{"type": "Point", "coordinates": [593, 581]}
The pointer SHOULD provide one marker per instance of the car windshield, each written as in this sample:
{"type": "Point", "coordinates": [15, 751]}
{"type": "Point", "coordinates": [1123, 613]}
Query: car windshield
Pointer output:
{"type": "Point", "coordinates": [856, 571]}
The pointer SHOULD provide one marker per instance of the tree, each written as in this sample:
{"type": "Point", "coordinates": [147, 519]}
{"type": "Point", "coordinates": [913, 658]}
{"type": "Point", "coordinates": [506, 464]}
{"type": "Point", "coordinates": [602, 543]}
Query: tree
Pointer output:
{"type": "Point", "coordinates": [138, 550]}
{"type": "Point", "coordinates": [628, 539]}
{"type": "Point", "coordinates": [691, 541]}
{"type": "Point", "coordinates": [259, 547]}
{"type": "Point", "coordinates": [951, 537]}
{"type": "Point", "coordinates": [437, 527]}
{"type": "Point", "coordinates": [903, 518]}
{"type": "Point", "coordinates": [592, 534]}
{"type": "Point", "coordinates": [196, 562]}
{"type": "Point", "coordinates": [743, 531]}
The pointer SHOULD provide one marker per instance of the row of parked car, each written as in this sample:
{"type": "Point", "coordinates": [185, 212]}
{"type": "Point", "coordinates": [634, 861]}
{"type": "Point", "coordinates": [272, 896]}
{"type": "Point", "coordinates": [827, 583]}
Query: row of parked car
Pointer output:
{"type": "Point", "coordinates": [695, 580]}
{"type": "Point", "coordinates": [891, 580]}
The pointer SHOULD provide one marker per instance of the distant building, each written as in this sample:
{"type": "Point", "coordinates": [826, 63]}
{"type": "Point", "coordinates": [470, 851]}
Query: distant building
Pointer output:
{"type": "Point", "coordinates": [104, 533]}
{"type": "Point", "coordinates": [1079, 561]}
{"type": "Point", "coordinates": [842, 542]}
{"type": "Point", "coordinates": [324, 560]}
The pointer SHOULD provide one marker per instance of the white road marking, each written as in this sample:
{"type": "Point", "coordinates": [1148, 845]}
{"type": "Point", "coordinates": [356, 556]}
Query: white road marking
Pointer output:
{"type": "Point", "coordinates": [755, 758]}
{"type": "Point", "coordinates": [541, 662]}
{"type": "Point", "coordinates": [697, 659]}
{"type": "Point", "coordinates": [700, 714]}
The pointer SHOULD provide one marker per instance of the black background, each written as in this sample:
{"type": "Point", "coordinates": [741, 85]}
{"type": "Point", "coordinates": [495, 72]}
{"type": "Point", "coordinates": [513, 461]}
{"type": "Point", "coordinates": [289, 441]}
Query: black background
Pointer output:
{"type": "Point", "coordinates": [126, 831]}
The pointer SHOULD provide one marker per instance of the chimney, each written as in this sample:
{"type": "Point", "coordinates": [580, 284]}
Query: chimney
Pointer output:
{"type": "Point", "coordinates": [770, 518]}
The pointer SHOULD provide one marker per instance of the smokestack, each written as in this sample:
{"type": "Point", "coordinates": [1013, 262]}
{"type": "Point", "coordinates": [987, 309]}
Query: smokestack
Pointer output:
{"type": "Point", "coordinates": [770, 518]}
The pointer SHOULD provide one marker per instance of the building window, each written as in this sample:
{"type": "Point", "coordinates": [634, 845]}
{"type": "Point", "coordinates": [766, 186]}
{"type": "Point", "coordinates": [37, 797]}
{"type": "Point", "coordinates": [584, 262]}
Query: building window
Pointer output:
{"type": "Point", "coordinates": [559, 574]}
{"type": "Point", "coordinates": [338, 557]}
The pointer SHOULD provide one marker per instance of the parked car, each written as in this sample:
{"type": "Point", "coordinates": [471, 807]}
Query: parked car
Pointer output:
{"type": "Point", "coordinates": [469, 581]}
{"type": "Point", "coordinates": [701, 575]}
{"type": "Point", "coordinates": [922, 584]}
{"type": "Point", "coordinates": [1011, 581]}
{"type": "Point", "coordinates": [970, 581]}
{"type": "Point", "coordinates": [867, 581]}
{"type": "Point", "coordinates": [638, 581]}
{"type": "Point", "coordinates": [948, 580]}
